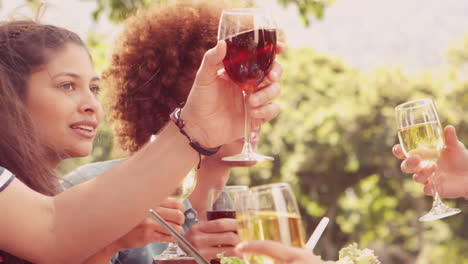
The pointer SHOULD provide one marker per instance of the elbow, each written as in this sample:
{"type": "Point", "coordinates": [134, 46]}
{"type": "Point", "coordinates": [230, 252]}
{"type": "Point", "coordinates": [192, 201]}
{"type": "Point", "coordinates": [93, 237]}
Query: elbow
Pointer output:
{"type": "Point", "coordinates": [58, 248]}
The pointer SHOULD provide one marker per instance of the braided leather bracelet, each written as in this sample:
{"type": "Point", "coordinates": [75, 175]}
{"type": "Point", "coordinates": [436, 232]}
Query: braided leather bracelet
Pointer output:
{"type": "Point", "coordinates": [175, 117]}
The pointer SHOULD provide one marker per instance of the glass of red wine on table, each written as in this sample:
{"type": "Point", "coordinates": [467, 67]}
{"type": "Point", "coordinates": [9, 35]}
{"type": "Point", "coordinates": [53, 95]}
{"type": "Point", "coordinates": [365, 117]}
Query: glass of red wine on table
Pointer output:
{"type": "Point", "coordinates": [221, 203]}
{"type": "Point", "coordinates": [250, 35]}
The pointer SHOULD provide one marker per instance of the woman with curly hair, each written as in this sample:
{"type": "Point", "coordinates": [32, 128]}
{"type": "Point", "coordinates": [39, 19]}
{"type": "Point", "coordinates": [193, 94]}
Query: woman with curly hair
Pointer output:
{"type": "Point", "coordinates": [154, 63]}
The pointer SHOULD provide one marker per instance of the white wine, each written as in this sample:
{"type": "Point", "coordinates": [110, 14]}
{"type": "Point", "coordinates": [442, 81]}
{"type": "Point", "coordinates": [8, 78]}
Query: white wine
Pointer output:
{"type": "Point", "coordinates": [421, 134]}
{"type": "Point", "coordinates": [186, 187]}
{"type": "Point", "coordinates": [425, 140]}
{"type": "Point", "coordinates": [270, 225]}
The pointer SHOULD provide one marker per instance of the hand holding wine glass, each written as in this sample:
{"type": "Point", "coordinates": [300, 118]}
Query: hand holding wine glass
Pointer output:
{"type": "Point", "coordinates": [221, 224]}
{"type": "Point", "coordinates": [281, 252]}
{"type": "Point", "coordinates": [148, 231]}
{"type": "Point", "coordinates": [184, 189]}
{"type": "Point", "coordinates": [269, 212]}
{"type": "Point", "coordinates": [213, 103]}
{"type": "Point", "coordinates": [250, 35]}
{"type": "Point", "coordinates": [450, 172]}
{"type": "Point", "coordinates": [221, 202]}
{"type": "Point", "coordinates": [420, 134]}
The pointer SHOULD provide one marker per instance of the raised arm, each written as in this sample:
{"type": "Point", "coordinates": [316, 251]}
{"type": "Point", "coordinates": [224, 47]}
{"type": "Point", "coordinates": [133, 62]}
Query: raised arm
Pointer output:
{"type": "Point", "coordinates": [89, 216]}
{"type": "Point", "coordinates": [71, 226]}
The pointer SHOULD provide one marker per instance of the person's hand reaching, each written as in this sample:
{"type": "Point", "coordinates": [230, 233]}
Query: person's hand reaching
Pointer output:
{"type": "Point", "coordinates": [214, 110]}
{"type": "Point", "coordinates": [450, 172]}
{"type": "Point", "coordinates": [280, 252]}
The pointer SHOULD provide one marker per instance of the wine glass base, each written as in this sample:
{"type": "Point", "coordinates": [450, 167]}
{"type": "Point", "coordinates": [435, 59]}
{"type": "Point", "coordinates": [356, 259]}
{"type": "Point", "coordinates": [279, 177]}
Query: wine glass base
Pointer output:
{"type": "Point", "coordinates": [438, 213]}
{"type": "Point", "coordinates": [171, 256]}
{"type": "Point", "coordinates": [160, 258]}
{"type": "Point", "coordinates": [248, 157]}
{"type": "Point", "coordinates": [172, 252]}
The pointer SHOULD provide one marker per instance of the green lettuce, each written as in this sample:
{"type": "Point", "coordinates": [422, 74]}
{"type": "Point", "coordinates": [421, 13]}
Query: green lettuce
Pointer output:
{"type": "Point", "coordinates": [353, 255]}
{"type": "Point", "coordinates": [229, 260]}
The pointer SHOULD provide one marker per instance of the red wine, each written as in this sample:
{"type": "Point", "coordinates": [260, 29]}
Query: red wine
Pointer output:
{"type": "Point", "coordinates": [213, 215]}
{"type": "Point", "coordinates": [250, 56]}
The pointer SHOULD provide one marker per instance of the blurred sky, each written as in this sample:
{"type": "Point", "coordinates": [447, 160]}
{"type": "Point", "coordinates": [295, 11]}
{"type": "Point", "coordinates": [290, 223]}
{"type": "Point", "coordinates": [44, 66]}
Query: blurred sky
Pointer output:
{"type": "Point", "coordinates": [365, 33]}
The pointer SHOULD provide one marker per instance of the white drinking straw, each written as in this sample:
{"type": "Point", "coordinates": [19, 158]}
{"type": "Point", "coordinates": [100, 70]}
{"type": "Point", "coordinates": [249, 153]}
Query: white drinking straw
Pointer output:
{"type": "Point", "coordinates": [317, 233]}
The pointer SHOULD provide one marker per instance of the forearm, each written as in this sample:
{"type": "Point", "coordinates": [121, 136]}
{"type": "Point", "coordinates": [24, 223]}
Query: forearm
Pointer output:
{"type": "Point", "coordinates": [104, 256]}
{"type": "Point", "coordinates": [212, 174]}
{"type": "Point", "coordinates": [117, 200]}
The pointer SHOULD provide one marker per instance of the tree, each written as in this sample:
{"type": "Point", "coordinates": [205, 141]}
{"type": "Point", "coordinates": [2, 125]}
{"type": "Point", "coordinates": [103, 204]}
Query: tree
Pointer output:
{"type": "Point", "coordinates": [333, 142]}
{"type": "Point", "coordinates": [118, 10]}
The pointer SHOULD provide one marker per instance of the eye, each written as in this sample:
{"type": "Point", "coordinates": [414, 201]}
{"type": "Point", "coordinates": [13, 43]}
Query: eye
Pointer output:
{"type": "Point", "coordinates": [69, 86]}
{"type": "Point", "coordinates": [95, 89]}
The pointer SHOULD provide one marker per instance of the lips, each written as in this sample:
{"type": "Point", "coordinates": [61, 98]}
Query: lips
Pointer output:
{"type": "Point", "coordinates": [86, 129]}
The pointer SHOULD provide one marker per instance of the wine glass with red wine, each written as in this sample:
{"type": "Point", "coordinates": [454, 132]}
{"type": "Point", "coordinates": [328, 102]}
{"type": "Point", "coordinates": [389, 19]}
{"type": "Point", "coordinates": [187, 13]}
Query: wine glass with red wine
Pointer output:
{"type": "Point", "coordinates": [250, 35]}
{"type": "Point", "coordinates": [221, 203]}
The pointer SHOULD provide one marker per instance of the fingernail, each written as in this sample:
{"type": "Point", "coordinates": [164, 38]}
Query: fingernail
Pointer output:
{"type": "Point", "coordinates": [254, 101]}
{"type": "Point", "coordinates": [274, 75]}
{"type": "Point", "coordinates": [241, 245]}
{"type": "Point", "coordinates": [254, 113]}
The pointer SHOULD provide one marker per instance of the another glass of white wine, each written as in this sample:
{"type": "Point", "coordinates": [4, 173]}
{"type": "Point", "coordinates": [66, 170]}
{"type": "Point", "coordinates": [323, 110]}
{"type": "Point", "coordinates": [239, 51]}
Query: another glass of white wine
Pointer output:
{"type": "Point", "coordinates": [269, 212]}
{"type": "Point", "coordinates": [186, 187]}
{"type": "Point", "coordinates": [420, 133]}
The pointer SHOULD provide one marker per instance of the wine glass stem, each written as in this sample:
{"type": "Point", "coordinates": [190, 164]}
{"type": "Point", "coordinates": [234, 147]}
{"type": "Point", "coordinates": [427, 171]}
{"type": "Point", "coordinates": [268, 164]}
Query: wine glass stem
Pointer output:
{"type": "Point", "coordinates": [437, 201]}
{"type": "Point", "coordinates": [247, 146]}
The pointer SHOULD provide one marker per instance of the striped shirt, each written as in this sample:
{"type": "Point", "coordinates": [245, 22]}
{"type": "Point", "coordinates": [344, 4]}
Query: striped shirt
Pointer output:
{"type": "Point", "coordinates": [5, 178]}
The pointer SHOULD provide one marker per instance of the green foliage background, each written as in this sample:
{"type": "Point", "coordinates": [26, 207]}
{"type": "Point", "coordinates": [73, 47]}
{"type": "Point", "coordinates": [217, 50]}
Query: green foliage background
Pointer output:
{"type": "Point", "coordinates": [333, 142]}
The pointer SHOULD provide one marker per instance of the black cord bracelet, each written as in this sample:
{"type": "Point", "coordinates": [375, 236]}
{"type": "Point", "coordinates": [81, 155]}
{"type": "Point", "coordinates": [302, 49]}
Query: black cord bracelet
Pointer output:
{"type": "Point", "coordinates": [175, 117]}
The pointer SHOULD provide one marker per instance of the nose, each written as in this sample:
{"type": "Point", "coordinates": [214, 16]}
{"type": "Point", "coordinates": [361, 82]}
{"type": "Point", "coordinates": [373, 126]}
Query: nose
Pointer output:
{"type": "Point", "coordinates": [90, 104]}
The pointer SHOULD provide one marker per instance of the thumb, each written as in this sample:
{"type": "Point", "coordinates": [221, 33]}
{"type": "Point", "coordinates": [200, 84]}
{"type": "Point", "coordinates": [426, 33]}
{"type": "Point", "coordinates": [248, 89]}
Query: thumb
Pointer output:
{"type": "Point", "coordinates": [275, 250]}
{"type": "Point", "coordinates": [212, 62]}
{"type": "Point", "coordinates": [450, 135]}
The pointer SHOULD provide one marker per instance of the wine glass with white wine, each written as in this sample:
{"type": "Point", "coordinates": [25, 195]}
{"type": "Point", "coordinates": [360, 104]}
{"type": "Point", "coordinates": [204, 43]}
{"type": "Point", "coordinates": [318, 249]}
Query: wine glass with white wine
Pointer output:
{"type": "Point", "coordinates": [185, 188]}
{"type": "Point", "coordinates": [269, 212]}
{"type": "Point", "coordinates": [420, 133]}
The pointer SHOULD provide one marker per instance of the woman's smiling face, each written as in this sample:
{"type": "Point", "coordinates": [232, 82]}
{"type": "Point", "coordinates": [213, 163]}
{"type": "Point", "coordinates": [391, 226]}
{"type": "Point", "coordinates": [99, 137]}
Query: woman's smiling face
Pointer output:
{"type": "Point", "coordinates": [62, 100]}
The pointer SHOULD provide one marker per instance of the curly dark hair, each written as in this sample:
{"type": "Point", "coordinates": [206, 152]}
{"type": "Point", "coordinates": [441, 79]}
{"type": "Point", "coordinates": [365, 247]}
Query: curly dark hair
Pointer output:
{"type": "Point", "coordinates": [154, 65]}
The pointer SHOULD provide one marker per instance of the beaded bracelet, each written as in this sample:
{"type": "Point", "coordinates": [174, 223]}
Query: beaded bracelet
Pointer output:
{"type": "Point", "coordinates": [175, 117]}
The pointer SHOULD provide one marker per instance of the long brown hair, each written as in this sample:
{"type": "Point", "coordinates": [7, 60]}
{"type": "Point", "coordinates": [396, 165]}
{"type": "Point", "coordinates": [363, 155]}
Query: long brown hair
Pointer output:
{"type": "Point", "coordinates": [25, 46]}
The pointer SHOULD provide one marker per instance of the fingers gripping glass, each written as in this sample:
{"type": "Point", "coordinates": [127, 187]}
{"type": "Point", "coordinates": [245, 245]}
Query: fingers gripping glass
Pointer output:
{"type": "Point", "coordinates": [173, 251]}
{"type": "Point", "coordinates": [269, 212]}
{"type": "Point", "coordinates": [221, 204]}
{"type": "Point", "coordinates": [250, 35]}
{"type": "Point", "coordinates": [183, 242]}
{"type": "Point", "coordinates": [420, 133]}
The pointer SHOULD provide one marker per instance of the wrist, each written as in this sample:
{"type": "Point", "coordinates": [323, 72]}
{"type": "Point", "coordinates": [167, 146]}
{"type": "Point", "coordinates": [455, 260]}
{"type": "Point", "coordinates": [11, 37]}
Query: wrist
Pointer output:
{"type": "Point", "coordinates": [114, 247]}
{"type": "Point", "coordinates": [216, 163]}
{"type": "Point", "coordinates": [104, 255]}
{"type": "Point", "coordinates": [194, 130]}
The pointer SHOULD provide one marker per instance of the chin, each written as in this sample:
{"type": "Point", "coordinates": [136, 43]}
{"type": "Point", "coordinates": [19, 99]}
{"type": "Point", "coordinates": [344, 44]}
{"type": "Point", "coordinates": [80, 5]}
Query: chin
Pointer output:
{"type": "Point", "coordinates": [79, 152]}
